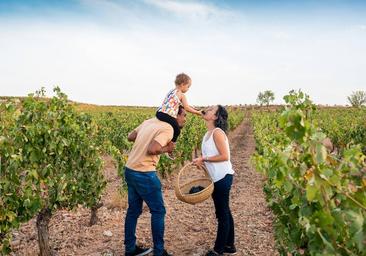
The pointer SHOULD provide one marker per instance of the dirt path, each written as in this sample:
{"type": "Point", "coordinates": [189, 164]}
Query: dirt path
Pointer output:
{"type": "Point", "coordinates": [190, 230]}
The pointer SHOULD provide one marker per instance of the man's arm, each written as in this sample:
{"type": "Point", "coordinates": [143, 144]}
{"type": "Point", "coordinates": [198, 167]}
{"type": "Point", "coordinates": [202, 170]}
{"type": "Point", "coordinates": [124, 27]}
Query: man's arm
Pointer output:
{"type": "Point", "coordinates": [132, 136]}
{"type": "Point", "coordinates": [155, 148]}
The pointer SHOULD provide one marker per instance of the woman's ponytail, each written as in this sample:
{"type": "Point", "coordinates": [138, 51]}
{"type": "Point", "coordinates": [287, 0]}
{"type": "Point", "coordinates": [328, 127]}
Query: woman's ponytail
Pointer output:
{"type": "Point", "coordinates": [222, 117]}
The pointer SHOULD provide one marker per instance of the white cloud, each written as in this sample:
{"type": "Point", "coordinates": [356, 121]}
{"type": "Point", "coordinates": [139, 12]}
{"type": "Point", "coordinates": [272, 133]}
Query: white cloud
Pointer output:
{"type": "Point", "coordinates": [190, 9]}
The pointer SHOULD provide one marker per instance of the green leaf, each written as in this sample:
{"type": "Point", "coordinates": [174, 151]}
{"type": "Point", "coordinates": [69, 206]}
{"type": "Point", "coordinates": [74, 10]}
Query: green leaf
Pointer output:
{"type": "Point", "coordinates": [311, 192]}
{"type": "Point", "coordinates": [34, 156]}
{"type": "Point", "coordinates": [288, 186]}
{"type": "Point", "coordinates": [326, 172]}
{"type": "Point", "coordinates": [293, 206]}
{"type": "Point", "coordinates": [321, 153]}
{"type": "Point", "coordinates": [325, 241]}
{"type": "Point", "coordinates": [356, 228]}
{"type": "Point", "coordinates": [33, 173]}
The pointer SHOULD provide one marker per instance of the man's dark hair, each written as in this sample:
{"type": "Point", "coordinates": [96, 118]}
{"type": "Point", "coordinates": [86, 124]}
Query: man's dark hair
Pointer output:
{"type": "Point", "coordinates": [222, 116]}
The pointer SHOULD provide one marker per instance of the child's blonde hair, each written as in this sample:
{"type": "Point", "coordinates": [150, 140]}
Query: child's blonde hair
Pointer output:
{"type": "Point", "coordinates": [182, 79]}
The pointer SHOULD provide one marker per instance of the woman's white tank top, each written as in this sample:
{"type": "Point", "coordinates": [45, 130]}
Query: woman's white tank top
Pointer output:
{"type": "Point", "coordinates": [217, 170]}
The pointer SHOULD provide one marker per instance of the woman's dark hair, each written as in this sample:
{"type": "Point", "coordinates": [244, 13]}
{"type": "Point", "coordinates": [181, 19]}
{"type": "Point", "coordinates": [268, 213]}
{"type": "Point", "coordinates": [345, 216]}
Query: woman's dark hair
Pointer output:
{"type": "Point", "coordinates": [222, 116]}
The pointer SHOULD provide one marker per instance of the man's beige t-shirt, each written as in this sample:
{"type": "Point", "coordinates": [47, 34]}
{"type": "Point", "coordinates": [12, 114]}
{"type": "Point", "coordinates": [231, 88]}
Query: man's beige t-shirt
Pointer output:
{"type": "Point", "coordinates": [151, 129]}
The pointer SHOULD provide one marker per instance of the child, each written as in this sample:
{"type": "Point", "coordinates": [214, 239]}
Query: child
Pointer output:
{"type": "Point", "coordinates": [168, 111]}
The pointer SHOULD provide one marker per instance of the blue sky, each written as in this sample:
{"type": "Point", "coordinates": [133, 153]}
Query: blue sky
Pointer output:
{"type": "Point", "coordinates": [128, 52]}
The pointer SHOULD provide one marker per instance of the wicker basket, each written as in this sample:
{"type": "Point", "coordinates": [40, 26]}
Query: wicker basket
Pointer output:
{"type": "Point", "coordinates": [182, 191]}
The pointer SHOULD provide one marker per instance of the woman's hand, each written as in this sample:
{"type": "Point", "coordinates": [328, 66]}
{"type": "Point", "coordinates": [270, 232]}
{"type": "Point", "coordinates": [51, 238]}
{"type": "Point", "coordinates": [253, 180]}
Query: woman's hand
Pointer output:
{"type": "Point", "coordinates": [198, 162]}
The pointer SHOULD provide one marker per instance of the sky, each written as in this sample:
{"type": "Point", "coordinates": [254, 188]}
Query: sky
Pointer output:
{"type": "Point", "coordinates": [128, 52]}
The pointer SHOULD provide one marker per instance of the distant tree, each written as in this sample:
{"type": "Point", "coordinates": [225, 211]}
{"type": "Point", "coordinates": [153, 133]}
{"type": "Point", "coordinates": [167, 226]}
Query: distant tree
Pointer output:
{"type": "Point", "coordinates": [266, 97]}
{"type": "Point", "coordinates": [357, 98]}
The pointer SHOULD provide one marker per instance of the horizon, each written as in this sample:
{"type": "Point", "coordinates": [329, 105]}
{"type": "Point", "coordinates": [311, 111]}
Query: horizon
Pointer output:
{"type": "Point", "coordinates": [151, 106]}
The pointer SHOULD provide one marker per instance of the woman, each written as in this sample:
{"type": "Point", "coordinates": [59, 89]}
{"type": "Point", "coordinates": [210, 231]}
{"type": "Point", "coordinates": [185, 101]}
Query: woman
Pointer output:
{"type": "Point", "coordinates": [216, 157]}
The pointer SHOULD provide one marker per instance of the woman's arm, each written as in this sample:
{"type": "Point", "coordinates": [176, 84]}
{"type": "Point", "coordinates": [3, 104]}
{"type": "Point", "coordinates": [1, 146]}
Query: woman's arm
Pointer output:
{"type": "Point", "coordinates": [220, 142]}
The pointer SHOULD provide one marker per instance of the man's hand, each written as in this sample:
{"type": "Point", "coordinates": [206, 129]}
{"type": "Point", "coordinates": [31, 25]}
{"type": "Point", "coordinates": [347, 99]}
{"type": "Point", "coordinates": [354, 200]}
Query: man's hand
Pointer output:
{"type": "Point", "coordinates": [155, 148]}
{"type": "Point", "coordinates": [170, 147]}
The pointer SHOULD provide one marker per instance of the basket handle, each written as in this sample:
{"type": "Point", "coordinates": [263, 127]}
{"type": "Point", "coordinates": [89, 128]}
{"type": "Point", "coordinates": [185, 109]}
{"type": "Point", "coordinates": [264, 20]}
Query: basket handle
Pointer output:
{"type": "Point", "coordinates": [189, 164]}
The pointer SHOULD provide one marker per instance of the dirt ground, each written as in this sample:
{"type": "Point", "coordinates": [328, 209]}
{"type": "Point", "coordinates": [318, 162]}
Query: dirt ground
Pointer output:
{"type": "Point", "coordinates": [190, 230]}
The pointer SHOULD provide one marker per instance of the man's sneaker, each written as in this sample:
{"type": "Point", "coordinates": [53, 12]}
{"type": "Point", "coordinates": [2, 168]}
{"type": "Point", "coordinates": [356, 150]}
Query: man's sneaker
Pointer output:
{"type": "Point", "coordinates": [139, 251]}
{"type": "Point", "coordinates": [165, 253]}
{"type": "Point", "coordinates": [213, 253]}
{"type": "Point", "coordinates": [231, 250]}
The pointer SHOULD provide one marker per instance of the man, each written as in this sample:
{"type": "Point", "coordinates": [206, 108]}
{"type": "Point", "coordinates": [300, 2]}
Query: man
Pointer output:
{"type": "Point", "coordinates": [152, 138]}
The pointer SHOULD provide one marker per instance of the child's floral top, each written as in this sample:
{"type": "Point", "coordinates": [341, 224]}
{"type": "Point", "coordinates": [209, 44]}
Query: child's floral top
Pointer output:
{"type": "Point", "coordinates": [170, 104]}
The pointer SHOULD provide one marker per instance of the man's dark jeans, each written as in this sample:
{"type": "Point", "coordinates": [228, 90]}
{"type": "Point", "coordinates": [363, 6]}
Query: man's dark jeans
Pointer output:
{"type": "Point", "coordinates": [144, 186]}
{"type": "Point", "coordinates": [225, 230]}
